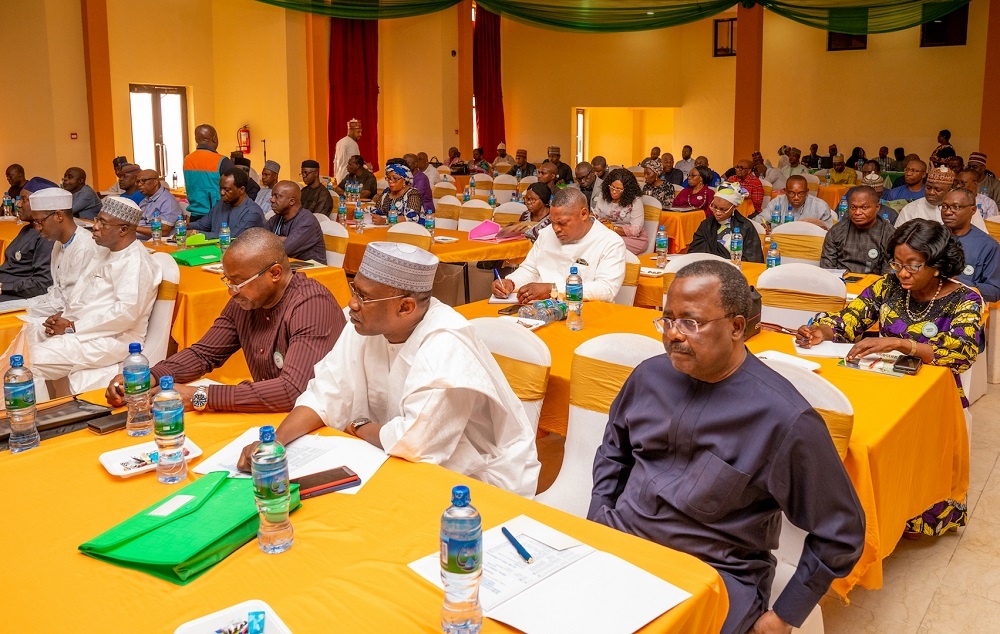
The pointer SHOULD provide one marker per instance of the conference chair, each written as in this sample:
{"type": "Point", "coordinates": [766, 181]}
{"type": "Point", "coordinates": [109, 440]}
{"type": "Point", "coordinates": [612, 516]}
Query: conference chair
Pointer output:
{"type": "Point", "coordinates": [677, 262]}
{"type": "Point", "coordinates": [525, 182]}
{"type": "Point", "coordinates": [626, 294]}
{"type": "Point", "coordinates": [446, 212]}
{"type": "Point", "coordinates": [813, 182]}
{"type": "Point", "coordinates": [639, 173]}
{"type": "Point", "coordinates": [508, 213]}
{"type": "Point", "coordinates": [410, 233]}
{"type": "Point", "coordinates": [768, 187]}
{"type": "Point", "coordinates": [441, 190]}
{"type": "Point", "coordinates": [600, 367]}
{"type": "Point", "coordinates": [503, 187]}
{"type": "Point", "coordinates": [838, 414]}
{"type": "Point", "coordinates": [653, 210]}
{"type": "Point", "coordinates": [162, 315]}
{"type": "Point", "coordinates": [321, 217]}
{"type": "Point", "coordinates": [799, 241]}
{"type": "Point", "coordinates": [380, 185]}
{"type": "Point", "coordinates": [473, 213]}
{"type": "Point", "coordinates": [523, 358]}
{"type": "Point", "coordinates": [792, 293]}
{"type": "Point", "coordinates": [484, 183]}
{"type": "Point", "coordinates": [677, 188]}
{"type": "Point", "coordinates": [446, 178]}
{"type": "Point", "coordinates": [268, 215]}
{"type": "Point", "coordinates": [335, 237]}
{"type": "Point", "coordinates": [444, 170]}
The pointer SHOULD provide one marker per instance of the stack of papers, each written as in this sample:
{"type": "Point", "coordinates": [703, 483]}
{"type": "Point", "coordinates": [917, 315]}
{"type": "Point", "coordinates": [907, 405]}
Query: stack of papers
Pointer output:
{"type": "Point", "coordinates": [825, 349]}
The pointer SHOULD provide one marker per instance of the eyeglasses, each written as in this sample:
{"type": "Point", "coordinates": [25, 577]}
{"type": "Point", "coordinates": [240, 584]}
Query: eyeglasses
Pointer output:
{"type": "Point", "coordinates": [370, 300]}
{"type": "Point", "coordinates": [37, 224]}
{"type": "Point", "coordinates": [899, 266]}
{"type": "Point", "coordinates": [140, 181]}
{"type": "Point", "coordinates": [236, 288]}
{"type": "Point", "coordinates": [616, 189]}
{"type": "Point", "coordinates": [954, 207]}
{"type": "Point", "coordinates": [910, 170]}
{"type": "Point", "coordinates": [100, 221]}
{"type": "Point", "coordinates": [686, 327]}
{"type": "Point", "coordinates": [393, 179]}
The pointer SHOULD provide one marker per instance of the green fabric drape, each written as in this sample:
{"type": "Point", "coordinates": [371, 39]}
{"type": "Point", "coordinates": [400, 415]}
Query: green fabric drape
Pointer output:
{"type": "Point", "coordinates": [606, 16]}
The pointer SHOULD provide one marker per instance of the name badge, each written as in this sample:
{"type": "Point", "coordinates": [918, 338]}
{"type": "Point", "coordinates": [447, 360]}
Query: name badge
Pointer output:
{"type": "Point", "coordinates": [17, 256]}
{"type": "Point", "coordinates": [929, 330]}
{"type": "Point", "coordinates": [968, 270]}
{"type": "Point", "coordinates": [278, 359]}
{"type": "Point", "coordinates": [873, 253]}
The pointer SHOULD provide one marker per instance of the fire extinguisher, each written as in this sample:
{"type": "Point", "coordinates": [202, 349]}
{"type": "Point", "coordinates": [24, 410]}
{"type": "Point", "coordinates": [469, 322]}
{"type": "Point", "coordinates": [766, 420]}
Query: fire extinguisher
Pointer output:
{"type": "Point", "coordinates": [243, 139]}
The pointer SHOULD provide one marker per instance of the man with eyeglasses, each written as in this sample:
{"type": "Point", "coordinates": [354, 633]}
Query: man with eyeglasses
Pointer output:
{"type": "Point", "coordinates": [939, 183]}
{"type": "Point", "coordinates": [315, 197]}
{"type": "Point", "coordinates": [283, 321]}
{"type": "Point", "coordinates": [157, 200]}
{"type": "Point", "coordinates": [982, 253]}
{"type": "Point", "coordinates": [912, 187]}
{"type": "Point", "coordinates": [805, 208]}
{"type": "Point", "coordinates": [106, 310]}
{"type": "Point", "coordinates": [128, 184]}
{"type": "Point", "coordinates": [410, 376]}
{"type": "Point", "coordinates": [859, 243]}
{"type": "Point", "coordinates": [715, 233]}
{"type": "Point", "coordinates": [706, 447]}
{"type": "Point", "coordinates": [235, 208]}
{"type": "Point", "coordinates": [586, 179]}
{"type": "Point", "coordinates": [26, 271]}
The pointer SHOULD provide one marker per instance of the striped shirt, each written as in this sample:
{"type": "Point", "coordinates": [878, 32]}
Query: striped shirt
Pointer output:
{"type": "Point", "coordinates": [281, 345]}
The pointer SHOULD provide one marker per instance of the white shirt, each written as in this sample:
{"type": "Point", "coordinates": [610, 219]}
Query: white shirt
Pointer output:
{"type": "Point", "coordinates": [813, 207]}
{"type": "Point", "coordinates": [920, 208]}
{"type": "Point", "coordinates": [70, 264]}
{"type": "Point", "coordinates": [549, 260]}
{"type": "Point", "coordinates": [986, 207]}
{"type": "Point", "coordinates": [776, 177]}
{"type": "Point", "coordinates": [685, 166]}
{"type": "Point", "coordinates": [440, 397]}
{"type": "Point", "coordinates": [346, 148]}
{"type": "Point", "coordinates": [432, 175]}
{"type": "Point", "coordinates": [798, 170]}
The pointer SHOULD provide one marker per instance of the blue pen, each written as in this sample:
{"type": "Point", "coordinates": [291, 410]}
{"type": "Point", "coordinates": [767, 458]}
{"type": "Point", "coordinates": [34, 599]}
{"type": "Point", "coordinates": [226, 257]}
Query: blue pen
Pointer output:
{"type": "Point", "coordinates": [517, 545]}
{"type": "Point", "coordinates": [496, 273]}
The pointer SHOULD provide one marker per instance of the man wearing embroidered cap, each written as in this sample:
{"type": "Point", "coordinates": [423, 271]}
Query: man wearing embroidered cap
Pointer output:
{"type": "Point", "coordinates": [841, 174]}
{"type": "Point", "coordinates": [503, 161]}
{"type": "Point", "coordinates": [715, 232]}
{"type": "Point", "coordinates": [939, 183]}
{"type": "Point", "coordinates": [345, 149]}
{"type": "Point", "coordinates": [563, 172]}
{"type": "Point", "coordinates": [315, 197]}
{"type": "Point", "coordinates": [107, 309]}
{"type": "Point", "coordinates": [268, 177]}
{"type": "Point", "coordinates": [25, 270]}
{"type": "Point", "coordinates": [410, 376]}
{"type": "Point", "coordinates": [988, 183]}
{"type": "Point", "coordinates": [521, 163]}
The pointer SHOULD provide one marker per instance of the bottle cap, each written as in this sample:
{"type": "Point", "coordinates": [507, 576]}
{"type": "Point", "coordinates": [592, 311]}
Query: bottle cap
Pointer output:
{"type": "Point", "coordinates": [267, 433]}
{"type": "Point", "coordinates": [16, 361]}
{"type": "Point", "coordinates": [134, 348]}
{"type": "Point", "coordinates": [460, 495]}
{"type": "Point", "coordinates": [573, 270]}
{"type": "Point", "coordinates": [225, 225]}
{"type": "Point", "coordinates": [774, 245]}
{"type": "Point", "coordinates": [166, 382]}
{"type": "Point", "coordinates": [662, 228]}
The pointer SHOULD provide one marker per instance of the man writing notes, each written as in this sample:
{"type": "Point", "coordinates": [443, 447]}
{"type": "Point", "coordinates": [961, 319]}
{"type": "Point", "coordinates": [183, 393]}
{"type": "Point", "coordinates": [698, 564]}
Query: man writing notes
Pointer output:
{"type": "Point", "coordinates": [688, 461]}
{"type": "Point", "coordinates": [283, 321]}
{"type": "Point", "coordinates": [344, 150]}
{"type": "Point", "coordinates": [107, 308]}
{"type": "Point", "coordinates": [573, 238]}
{"type": "Point", "coordinates": [410, 376]}
{"type": "Point", "coordinates": [858, 244]}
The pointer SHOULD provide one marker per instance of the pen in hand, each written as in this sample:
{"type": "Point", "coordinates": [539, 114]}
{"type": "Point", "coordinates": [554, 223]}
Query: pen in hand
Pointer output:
{"type": "Point", "coordinates": [517, 545]}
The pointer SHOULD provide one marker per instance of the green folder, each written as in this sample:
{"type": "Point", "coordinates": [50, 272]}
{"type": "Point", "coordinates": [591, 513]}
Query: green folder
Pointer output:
{"type": "Point", "coordinates": [186, 533]}
{"type": "Point", "coordinates": [199, 256]}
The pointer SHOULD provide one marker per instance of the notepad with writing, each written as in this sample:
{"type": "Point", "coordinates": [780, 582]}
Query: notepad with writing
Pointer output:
{"type": "Point", "coordinates": [510, 299]}
{"type": "Point", "coordinates": [567, 587]}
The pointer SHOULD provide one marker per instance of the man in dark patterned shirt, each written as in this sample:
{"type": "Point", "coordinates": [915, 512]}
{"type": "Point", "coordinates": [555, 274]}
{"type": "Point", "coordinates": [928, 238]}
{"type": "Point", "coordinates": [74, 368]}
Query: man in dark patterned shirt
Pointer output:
{"type": "Point", "coordinates": [859, 244]}
{"type": "Point", "coordinates": [283, 321]}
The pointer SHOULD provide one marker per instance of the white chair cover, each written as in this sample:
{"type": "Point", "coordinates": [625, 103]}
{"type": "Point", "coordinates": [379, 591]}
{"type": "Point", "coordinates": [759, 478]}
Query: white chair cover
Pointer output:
{"type": "Point", "coordinates": [335, 230]}
{"type": "Point", "coordinates": [803, 278]}
{"type": "Point", "coordinates": [626, 294]}
{"type": "Point", "coordinates": [473, 213]}
{"type": "Point", "coordinates": [162, 316]}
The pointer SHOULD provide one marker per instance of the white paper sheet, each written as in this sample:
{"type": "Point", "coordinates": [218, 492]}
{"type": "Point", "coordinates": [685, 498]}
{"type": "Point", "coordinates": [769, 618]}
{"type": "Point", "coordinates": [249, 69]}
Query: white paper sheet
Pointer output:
{"type": "Point", "coordinates": [651, 271]}
{"type": "Point", "coordinates": [510, 299]}
{"type": "Point", "coordinates": [825, 349]}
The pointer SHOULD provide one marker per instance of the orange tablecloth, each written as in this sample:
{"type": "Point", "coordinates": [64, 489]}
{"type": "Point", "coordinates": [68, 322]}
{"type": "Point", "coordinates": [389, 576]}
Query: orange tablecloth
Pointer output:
{"type": "Point", "coordinates": [464, 250]}
{"type": "Point", "coordinates": [680, 226]}
{"type": "Point", "coordinates": [909, 447]}
{"type": "Point", "coordinates": [831, 194]}
{"type": "Point", "coordinates": [346, 572]}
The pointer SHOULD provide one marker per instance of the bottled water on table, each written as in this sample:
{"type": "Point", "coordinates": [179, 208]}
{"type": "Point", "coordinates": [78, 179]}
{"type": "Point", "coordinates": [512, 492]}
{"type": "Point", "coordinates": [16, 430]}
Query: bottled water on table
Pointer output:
{"type": "Point", "coordinates": [461, 564]}
{"type": "Point", "coordinates": [175, 180]}
{"type": "Point", "coordinates": [842, 209]}
{"type": "Point", "coordinates": [491, 200]}
{"type": "Point", "coordinates": [789, 215]}
{"type": "Point", "coordinates": [736, 247]}
{"type": "Point", "coordinates": [19, 397]}
{"type": "Point", "coordinates": [776, 215]}
{"type": "Point", "coordinates": [269, 467]}
{"type": "Point", "coordinates": [8, 204]}
{"type": "Point", "coordinates": [342, 212]}
{"type": "Point", "coordinates": [136, 372]}
{"type": "Point", "coordinates": [547, 310]}
{"type": "Point", "coordinates": [156, 228]}
{"type": "Point", "coordinates": [518, 175]}
{"type": "Point", "coordinates": [574, 299]}
{"type": "Point", "coordinates": [393, 215]}
{"type": "Point", "coordinates": [225, 237]}
{"type": "Point", "coordinates": [429, 222]}
{"type": "Point", "coordinates": [359, 218]}
{"type": "Point", "coordinates": [773, 256]}
{"type": "Point", "coordinates": [472, 183]}
{"type": "Point", "coordinates": [168, 427]}
{"type": "Point", "coordinates": [180, 231]}
{"type": "Point", "coordinates": [662, 246]}
{"type": "Point", "coordinates": [465, 194]}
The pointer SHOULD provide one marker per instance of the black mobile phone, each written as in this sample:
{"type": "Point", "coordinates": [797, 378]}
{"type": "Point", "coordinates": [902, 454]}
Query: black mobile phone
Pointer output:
{"type": "Point", "coordinates": [907, 364]}
{"type": "Point", "coordinates": [851, 279]}
{"type": "Point", "coordinates": [513, 309]}
{"type": "Point", "coordinates": [326, 482]}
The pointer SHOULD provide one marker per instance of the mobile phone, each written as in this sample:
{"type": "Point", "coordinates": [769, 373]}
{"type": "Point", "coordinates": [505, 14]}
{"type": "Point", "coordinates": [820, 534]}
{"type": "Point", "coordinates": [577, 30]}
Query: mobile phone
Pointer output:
{"type": "Point", "coordinates": [513, 309]}
{"type": "Point", "coordinates": [907, 364]}
{"type": "Point", "coordinates": [326, 482]}
{"type": "Point", "coordinates": [851, 279]}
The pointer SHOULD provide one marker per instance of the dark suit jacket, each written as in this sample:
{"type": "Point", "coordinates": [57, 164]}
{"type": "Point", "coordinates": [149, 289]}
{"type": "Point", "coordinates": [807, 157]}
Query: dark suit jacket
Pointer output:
{"type": "Point", "coordinates": [706, 239]}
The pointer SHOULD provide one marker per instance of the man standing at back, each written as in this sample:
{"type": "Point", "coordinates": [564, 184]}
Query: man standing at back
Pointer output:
{"type": "Point", "coordinates": [345, 149]}
{"type": "Point", "coordinates": [202, 170]}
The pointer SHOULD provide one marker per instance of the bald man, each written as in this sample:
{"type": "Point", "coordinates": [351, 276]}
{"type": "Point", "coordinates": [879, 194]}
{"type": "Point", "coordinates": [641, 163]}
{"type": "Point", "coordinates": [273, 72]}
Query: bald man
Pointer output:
{"type": "Point", "coordinates": [156, 199]}
{"type": "Point", "coordinates": [202, 169]}
{"type": "Point", "coordinates": [16, 179]}
{"type": "Point", "coordinates": [86, 203]}
{"type": "Point", "coordinates": [298, 228]}
{"type": "Point", "coordinates": [548, 173]}
{"type": "Point", "coordinates": [283, 321]}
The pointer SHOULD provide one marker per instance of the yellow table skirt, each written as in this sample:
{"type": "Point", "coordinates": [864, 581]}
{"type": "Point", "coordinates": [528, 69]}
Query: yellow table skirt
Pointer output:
{"type": "Point", "coordinates": [346, 572]}
{"type": "Point", "coordinates": [463, 250]}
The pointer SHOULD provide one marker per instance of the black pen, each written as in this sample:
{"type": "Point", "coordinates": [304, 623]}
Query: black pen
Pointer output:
{"type": "Point", "coordinates": [517, 545]}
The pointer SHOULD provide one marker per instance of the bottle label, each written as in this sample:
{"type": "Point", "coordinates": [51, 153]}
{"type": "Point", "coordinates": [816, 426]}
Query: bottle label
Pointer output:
{"type": "Point", "coordinates": [661, 243]}
{"type": "Point", "coordinates": [136, 382]}
{"type": "Point", "coordinates": [270, 481]}
{"type": "Point", "coordinates": [574, 292]}
{"type": "Point", "coordinates": [429, 223]}
{"type": "Point", "coordinates": [19, 395]}
{"type": "Point", "coordinates": [224, 240]}
{"type": "Point", "coordinates": [168, 422]}
{"type": "Point", "coordinates": [461, 556]}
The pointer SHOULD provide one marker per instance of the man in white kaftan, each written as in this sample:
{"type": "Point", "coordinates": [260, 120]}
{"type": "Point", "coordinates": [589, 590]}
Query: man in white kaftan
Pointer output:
{"type": "Point", "coordinates": [939, 183]}
{"type": "Point", "coordinates": [345, 149]}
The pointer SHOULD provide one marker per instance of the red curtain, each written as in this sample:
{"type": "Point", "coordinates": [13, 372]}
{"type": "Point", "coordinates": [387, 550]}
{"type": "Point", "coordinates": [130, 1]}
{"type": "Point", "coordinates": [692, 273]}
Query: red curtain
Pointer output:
{"type": "Point", "coordinates": [354, 84]}
{"type": "Point", "coordinates": [486, 85]}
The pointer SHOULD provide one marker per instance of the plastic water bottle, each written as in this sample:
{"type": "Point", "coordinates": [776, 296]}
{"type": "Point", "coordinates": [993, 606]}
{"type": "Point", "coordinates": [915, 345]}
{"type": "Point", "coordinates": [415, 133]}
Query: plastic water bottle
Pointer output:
{"type": "Point", "coordinates": [789, 214]}
{"type": "Point", "coordinates": [359, 218]}
{"type": "Point", "coordinates": [736, 247]}
{"type": "Point", "coordinates": [7, 204]}
{"type": "Point", "coordinates": [342, 212]}
{"type": "Point", "coordinates": [465, 194]}
{"type": "Point", "coordinates": [527, 312]}
{"type": "Point", "coordinates": [662, 246]}
{"type": "Point", "coordinates": [574, 299]}
{"type": "Point", "coordinates": [518, 175]}
{"type": "Point", "coordinates": [269, 466]}
{"type": "Point", "coordinates": [180, 231]}
{"type": "Point", "coordinates": [393, 215]}
{"type": "Point", "coordinates": [491, 200]}
{"type": "Point", "coordinates": [19, 397]}
{"type": "Point", "coordinates": [549, 310]}
{"type": "Point", "coordinates": [156, 228]}
{"type": "Point", "coordinates": [136, 372]}
{"type": "Point", "coordinates": [168, 428]}
{"type": "Point", "coordinates": [842, 208]}
{"type": "Point", "coordinates": [329, 188]}
{"type": "Point", "coordinates": [461, 564]}
{"type": "Point", "coordinates": [776, 215]}
{"type": "Point", "coordinates": [429, 222]}
{"type": "Point", "coordinates": [979, 208]}
{"type": "Point", "coordinates": [225, 237]}
{"type": "Point", "coordinates": [773, 256]}
{"type": "Point", "coordinates": [175, 180]}
{"type": "Point", "coordinates": [472, 183]}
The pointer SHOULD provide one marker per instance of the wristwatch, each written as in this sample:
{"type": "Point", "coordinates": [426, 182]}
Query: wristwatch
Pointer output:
{"type": "Point", "coordinates": [199, 400]}
{"type": "Point", "coordinates": [358, 422]}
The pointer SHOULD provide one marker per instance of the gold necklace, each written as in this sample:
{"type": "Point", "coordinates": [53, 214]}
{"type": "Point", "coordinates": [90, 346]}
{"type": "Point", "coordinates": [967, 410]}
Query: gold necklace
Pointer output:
{"type": "Point", "coordinates": [927, 310]}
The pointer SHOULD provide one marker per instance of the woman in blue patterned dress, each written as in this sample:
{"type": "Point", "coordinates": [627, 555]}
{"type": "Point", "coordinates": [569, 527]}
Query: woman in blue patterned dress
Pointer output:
{"type": "Point", "coordinates": [920, 310]}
